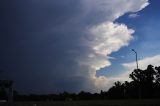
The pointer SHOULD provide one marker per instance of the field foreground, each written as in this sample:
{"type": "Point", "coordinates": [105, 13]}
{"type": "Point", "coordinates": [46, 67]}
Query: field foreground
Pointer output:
{"type": "Point", "coordinates": [90, 103]}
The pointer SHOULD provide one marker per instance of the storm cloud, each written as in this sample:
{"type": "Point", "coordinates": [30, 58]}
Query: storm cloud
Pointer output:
{"type": "Point", "coordinates": [50, 46]}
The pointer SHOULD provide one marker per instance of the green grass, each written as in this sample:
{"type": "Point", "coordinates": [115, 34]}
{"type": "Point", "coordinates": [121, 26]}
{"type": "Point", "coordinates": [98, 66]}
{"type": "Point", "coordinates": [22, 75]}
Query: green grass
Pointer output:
{"type": "Point", "coordinates": [91, 103]}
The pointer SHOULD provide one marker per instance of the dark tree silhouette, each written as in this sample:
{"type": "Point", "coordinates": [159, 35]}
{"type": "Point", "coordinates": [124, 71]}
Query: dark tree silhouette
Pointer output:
{"type": "Point", "coordinates": [158, 75]}
{"type": "Point", "coordinates": [117, 91]}
{"type": "Point", "coordinates": [145, 80]}
{"type": "Point", "coordinates": [144, 84]}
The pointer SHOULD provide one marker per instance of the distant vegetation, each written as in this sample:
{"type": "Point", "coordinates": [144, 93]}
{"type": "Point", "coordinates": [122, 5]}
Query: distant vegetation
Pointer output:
{"type": "Point", "coordinates": [145, 84]}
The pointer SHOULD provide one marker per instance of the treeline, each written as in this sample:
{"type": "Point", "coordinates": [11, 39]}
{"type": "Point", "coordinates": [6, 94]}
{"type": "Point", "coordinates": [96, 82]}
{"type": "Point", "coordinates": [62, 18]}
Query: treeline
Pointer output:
{"type": "Point", "coordinates": [144, 84]}
{"type": "Point", "coordinates": [65, 96]}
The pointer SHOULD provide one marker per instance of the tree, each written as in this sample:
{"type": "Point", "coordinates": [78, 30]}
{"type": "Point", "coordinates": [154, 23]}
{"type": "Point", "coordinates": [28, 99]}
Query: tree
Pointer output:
{"type": "Point", "coordinates": [157, 75]}
{"type": "Point", "coordinates": [117, 91]}
{"type": "Point", "coordinates": [144, 84]}
{"type": "Point", "coordinates": [145, 80]}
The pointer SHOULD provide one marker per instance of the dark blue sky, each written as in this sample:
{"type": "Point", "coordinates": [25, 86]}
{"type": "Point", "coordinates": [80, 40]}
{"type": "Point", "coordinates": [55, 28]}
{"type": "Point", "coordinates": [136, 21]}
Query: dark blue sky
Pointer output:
{"type": "Point", "coordinates": [54, 46]}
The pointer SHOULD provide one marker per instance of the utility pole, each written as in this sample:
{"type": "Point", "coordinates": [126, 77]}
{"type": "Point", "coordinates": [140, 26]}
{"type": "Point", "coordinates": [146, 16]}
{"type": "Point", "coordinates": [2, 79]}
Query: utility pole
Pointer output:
{"type": "Point", "coordinates": [139, 90]}
{"type": "Point", "coordinates": [136, 57]}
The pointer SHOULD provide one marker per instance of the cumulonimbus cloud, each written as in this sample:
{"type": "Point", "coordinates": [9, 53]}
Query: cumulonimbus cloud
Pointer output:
{"type": "Point", "coordinates": [107, 36]}
{"type": "Point", "coordinates": [61, 44]}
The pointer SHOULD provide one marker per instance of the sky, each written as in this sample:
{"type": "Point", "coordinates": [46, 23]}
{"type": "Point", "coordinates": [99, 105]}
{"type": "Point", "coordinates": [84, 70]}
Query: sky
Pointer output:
{"type": "Point", "coordinates": [52, 46]}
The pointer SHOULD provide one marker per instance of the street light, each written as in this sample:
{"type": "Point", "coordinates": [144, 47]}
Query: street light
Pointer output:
{"type": "Point", "coordinates": [139, 91]}
{"type": "Point", "coordinates": [136, 57]}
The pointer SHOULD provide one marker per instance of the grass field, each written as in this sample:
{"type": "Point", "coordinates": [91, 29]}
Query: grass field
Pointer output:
{"type": "Point", "coordinates": [90, 103]}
